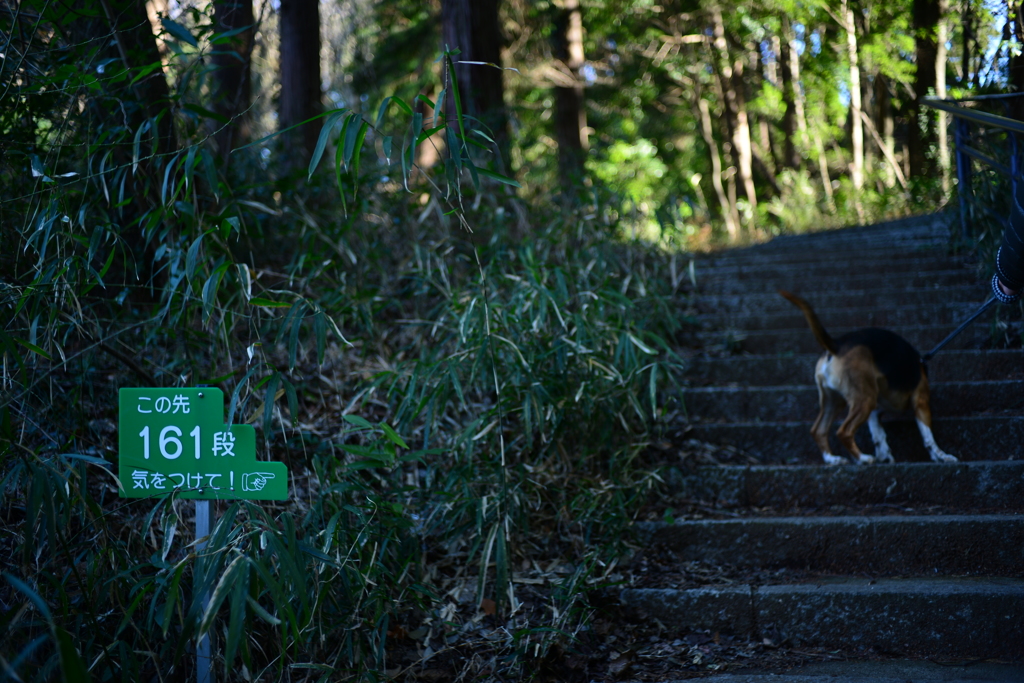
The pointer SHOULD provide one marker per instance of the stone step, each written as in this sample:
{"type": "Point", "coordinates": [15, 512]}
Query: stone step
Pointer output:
{"type": "Point", "coordinates": [938, 249]}
{"type": "Point", "coordinates": [820, 273]}
{"type": "Point", "coordinates": [797, 369]}
{"type": "Point", "coordinates": [941, 313]}
{"type": "Point", "coordinates": [948, 617]}
{"type": "Point", "coordinates": [855, 280]}
{"type": "Point", "coordinates": [767, 299]}
{"type": "Point", "coordinates": [980, 437]}
{"type": "Point", "coordinates": [921, 337]}
{"type": "Point", "coordinates": [905, 230]}
{"type": "Point", "coordinates": [875, 545]}
{"type": "Point", "coordinates": [882, 671]}
{"type": "Point", "coordinates": [962, 486]}
{"type": "Point", "coordinates": [849, 241]}
{"type": "Point", "coordinates": [788, 403]}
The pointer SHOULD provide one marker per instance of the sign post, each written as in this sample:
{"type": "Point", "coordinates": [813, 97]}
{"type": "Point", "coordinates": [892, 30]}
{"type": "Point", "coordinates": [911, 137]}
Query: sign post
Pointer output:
{"type": "Point", "coordinates": [175, 441]}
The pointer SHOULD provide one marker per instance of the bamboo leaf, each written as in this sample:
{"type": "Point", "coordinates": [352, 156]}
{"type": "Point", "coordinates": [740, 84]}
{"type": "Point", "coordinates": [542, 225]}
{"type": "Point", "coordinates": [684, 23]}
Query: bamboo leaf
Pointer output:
{"type": "Point", "coordinates": [296, 316]}
{"type": "Point", "coordinates": [497, 176]}
{"type": "Point", "coordinates": [393, 436]}
{"type": "Point", "coordinates": [382, 111]}
{"type": "Point", "coordinates": [220, 592]}
{"type": "Point", "coordinates": [192, 256]}
{"type": "Point", "coordinates": [269, 397]}
{"type": "Point", "coordinates": [236, 614]}
{"type": "Point", "coordinates": [263, 613]}
{"type": "Point", "coordinates": [33, 348]}
{"type": "Point", "coordinates": [268, 303]}
{"type": "Point", "coordinates": [72, 667]}
{"type": "Point", "coordinates": [320, 331]}
{"type": "Point", "coordinates": [210, 291]}
{"type": "Point", "coordinates": [321, 142]}
{"type": "Point", "coordinates": [178, 31]}
{"type": "Point", "coordinates": [358, 421]}
{"type": "Point", "coordinates": [293, 401]}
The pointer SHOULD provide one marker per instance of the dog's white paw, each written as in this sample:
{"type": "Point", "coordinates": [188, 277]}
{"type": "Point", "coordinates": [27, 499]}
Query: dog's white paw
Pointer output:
{"type": "Point", "coordinates": [865, 459]}
{"type": "Point", "coordinates": [884, 456]}
{"type": "Point", "coordinates": [941, 456]}
{"type": "Point", "coordinates": [833, 459]}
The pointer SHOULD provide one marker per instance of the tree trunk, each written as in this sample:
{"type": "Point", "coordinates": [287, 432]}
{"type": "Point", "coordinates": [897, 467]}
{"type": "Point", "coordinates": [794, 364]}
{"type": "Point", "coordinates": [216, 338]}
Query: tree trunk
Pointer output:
{"type": "Point", "coordinates": [940, 91]}
{"type": "Point", "coordinates": [472, 27]}
{"type": "Point", "coordinates": [570, 118]}
{"type": "Point", "coordinates": [856, 125]}
{"type": "Point", "coordinates": [730, 74]}
{"type": "Point", "coordinates": [232, 74]}
{"type": "Point", "coordinates": [885, 125]}
{"type": "Point", "coordinates": [967, 31]}
{"type": "Point", "coordinates": [1017, 61]}
{"type": "Point", "coordinates": [925, 19]}
{"type": "Point", "coordinates": [136, 47]}
{"type": "Point", "coordinates": [790, 150]}
{"type": "Point", "coordinates": [301, 97]}
{"type": "Point", "coordinates": [729, 214]}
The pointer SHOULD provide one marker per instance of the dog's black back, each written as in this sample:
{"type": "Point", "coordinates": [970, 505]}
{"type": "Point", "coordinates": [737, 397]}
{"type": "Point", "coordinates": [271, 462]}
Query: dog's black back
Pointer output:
{"type": "Point", "coordinates": [895, 357]}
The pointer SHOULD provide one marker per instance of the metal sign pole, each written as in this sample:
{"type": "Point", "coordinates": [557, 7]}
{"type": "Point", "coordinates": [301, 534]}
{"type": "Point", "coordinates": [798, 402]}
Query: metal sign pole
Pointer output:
{"type": "Point", "coordinates": [203, 674]}
{"type": "Point", "coordinates": [175, 440]}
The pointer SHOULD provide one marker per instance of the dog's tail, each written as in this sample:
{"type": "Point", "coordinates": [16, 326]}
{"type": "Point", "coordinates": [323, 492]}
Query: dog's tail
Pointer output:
{"type": "Point", "coordinates": [817, 328]}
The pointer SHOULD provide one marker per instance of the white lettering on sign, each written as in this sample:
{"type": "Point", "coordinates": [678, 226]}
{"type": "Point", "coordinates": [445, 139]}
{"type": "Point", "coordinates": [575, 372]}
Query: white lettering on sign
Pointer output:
{"type": "Point", "coordinates": [170, 446]}
{"type": "Point", "coordinates": [180, 403]}
{"type": "Point", "coordinates": [143, 479]}
{"type": "Point", "coordinates": [223, 441]}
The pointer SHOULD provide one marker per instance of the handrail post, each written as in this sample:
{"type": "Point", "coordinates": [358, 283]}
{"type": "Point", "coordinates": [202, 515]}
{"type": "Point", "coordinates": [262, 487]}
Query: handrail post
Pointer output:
{"type": "Point", "coordinates": [962, 133]}
{"type": "Point", "coordinates": [1014, 168]}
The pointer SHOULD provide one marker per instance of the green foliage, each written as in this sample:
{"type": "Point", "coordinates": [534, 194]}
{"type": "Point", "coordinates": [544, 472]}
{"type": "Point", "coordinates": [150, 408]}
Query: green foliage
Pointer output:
{"type": "Point", "coordinates": [431, 392]}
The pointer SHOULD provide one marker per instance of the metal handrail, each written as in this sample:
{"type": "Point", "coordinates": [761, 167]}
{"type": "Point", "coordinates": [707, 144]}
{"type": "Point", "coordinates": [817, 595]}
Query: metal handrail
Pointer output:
{"type": "Point", "coordinates": [964, 117]}
{"type": "Point", "coordinates": [981, 117]}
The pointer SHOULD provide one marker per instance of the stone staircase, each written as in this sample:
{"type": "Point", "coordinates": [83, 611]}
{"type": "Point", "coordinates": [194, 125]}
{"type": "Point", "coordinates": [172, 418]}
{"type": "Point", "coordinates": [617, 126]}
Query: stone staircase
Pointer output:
{"type": "Point", "coordinates": [912, 559]}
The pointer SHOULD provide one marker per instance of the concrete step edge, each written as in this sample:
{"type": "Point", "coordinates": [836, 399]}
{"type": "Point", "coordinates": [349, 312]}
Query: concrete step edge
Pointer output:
{"type": "Point", "coordinates": [989, 485]}
{"type": "Point", "coordinates": [876, 544]}
{"type": "Point", "coordinates": [970, 438]}
{"type": "Point", "coordinates": [902, 615]}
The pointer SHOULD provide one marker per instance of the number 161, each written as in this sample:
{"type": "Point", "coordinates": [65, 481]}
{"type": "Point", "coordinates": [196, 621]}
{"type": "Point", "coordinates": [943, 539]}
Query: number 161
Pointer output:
{"type": "Point", "coordinates": [169, 439]}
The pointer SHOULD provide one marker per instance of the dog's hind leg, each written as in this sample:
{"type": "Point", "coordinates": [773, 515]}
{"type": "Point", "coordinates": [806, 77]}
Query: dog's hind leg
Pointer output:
{"type": "Point", "coordinates": [859, 413]}
{"type": "Point", "coordinates": [882, 452]}
{"type": "Point", "coordinates": [830, 402]}
{"type": "Point", "coordinates": [923, 415]}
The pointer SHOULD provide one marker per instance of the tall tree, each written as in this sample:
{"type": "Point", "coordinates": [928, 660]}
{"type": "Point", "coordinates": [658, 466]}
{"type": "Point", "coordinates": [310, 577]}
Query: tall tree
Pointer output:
{"type": "Point", "coordinates": [232, 71]}
{"type": "Point", "coordinates": [473, 28]}
{"type": "Point", "coordinates": [941, 35]}
{"type": "Point", "coordinates": [921, 132]}
{"type": "Point", "coordinates": [856, 124]}
{"type": "Point", "coordinates": [787, 55]}
{"type": "Point", "coordinates": [135, 47]}
{"type": "Point", "coordinates": [727, 204]}
{"type": "Point", "coordinates": [301, 94]}
{"type": "Point", "coordinates": [730, 77]}
{"type": "Point", "coordinates": [570, 118]}
{"type": "Point", "coordinates": [1016, 17]}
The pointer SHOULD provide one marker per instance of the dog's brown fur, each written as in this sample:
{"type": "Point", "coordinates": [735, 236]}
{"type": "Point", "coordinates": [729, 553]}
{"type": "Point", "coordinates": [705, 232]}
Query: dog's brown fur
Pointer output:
{"type": "Point", "coordinates": [867, 370]}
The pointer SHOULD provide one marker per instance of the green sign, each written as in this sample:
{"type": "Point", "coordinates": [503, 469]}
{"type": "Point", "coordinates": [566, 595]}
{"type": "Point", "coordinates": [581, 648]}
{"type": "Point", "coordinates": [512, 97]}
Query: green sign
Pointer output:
{"type": "Point", "coordinates": [175, 440]}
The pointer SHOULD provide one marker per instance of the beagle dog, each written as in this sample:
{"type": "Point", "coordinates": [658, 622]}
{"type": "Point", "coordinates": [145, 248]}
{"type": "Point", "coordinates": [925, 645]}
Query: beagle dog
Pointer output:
{"type": "Point", "coordinates": [867, 370]}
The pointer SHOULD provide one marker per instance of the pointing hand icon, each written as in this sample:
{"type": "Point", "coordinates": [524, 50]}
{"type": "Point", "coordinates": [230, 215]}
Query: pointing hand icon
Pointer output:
{"type": "Point", "coordinates": [255, 481]}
